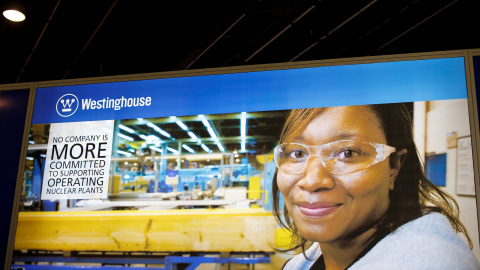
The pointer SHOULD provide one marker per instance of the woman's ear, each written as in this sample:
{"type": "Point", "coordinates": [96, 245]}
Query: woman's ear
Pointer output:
{"type": "Point", "coordinates": [396, 162]}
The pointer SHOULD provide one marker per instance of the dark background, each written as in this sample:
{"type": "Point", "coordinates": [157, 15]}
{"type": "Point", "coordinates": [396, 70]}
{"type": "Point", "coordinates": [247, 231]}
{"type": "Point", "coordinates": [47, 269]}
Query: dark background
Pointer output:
{"type": "Point", "coordinates": [76, 39]}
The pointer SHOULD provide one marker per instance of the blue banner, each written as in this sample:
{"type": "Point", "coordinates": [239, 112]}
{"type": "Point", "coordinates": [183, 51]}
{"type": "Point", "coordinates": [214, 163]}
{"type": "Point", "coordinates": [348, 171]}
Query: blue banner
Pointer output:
{"type": "Point", "coordinates": [390, 82]}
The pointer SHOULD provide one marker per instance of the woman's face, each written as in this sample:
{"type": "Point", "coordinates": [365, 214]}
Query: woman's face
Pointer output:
{"type": "Point", "coordinates": [327, 207]}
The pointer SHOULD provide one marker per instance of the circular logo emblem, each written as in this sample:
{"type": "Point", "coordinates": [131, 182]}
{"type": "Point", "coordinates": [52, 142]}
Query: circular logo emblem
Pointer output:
{"type": "Point", "coordinates": [67, 105]}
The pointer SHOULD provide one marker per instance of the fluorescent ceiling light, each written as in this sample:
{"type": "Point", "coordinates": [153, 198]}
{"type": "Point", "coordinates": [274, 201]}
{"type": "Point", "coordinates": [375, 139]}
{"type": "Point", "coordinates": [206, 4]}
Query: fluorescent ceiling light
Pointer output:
{"type": "Point", "coordinates": [186, 147]}
{"type": "Point", "coordinates": [151, 138]}
{"type": "Point", "coordinates": [14, 15]}
{"type": "Point", "coordinates": [212, 133]}
{"type": "Point", "coordinates": [220, 147]}
{"type": "Point", "coordinates": [124, 153]}
{"type": "Point", "coordinates": [140, 119]}
{"type": "Point", "coordinates": [125, 137]}
{"type": "Point", "coordinates": [192, 135]}
{"type": "Point", "coordinates": [156, 149]}
{"type": "Point", "coordinates": [243, 127]}
{"type": "Point", "coordinates": [172, 150]}
{"type": "Point", "coordinates": [30, 158]}
{"type": "Point", "coordinates": [243, 147]}
{"type": "Point", "coordinates": [182, 125]}
{"type": "Point", "coordinates": [127, 129]}
{"type": "Point", "coordinates": [159, 130]}
{"type": "Point", "coordinates": [206, 123]}
{"type": "Point", "coordinates": [164, 133]}
{"type": "Point", "coordinates": [205, 148]}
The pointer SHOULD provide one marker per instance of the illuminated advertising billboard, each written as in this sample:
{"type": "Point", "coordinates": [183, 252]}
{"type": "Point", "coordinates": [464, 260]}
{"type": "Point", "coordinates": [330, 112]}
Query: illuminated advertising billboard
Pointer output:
{"type": "Point", "coordinates": [234, 165]}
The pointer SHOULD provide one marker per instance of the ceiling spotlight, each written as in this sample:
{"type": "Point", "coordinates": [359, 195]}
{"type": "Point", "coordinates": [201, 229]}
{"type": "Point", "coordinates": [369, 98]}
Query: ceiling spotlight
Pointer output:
{"type": "Point", "coordinates": [14, 15]}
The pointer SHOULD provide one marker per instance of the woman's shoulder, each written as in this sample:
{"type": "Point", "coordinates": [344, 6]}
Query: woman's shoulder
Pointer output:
{"type": "Point", "coordinates": [300, 261]}
{"type": "Point", "coordinates": [428, 242]}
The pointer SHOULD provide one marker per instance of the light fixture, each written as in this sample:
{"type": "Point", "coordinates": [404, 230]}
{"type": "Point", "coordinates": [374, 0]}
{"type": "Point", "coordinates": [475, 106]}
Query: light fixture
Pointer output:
{"type": "Point", "coordinates": [205, 148]}
{"type": "Point", "coordinates": [124, 153]}
{"type": "Point", "coordinates": [188, 148]}
{"type": "Point", "coordinates": [150, 138]}
{"type": "Point", "coordinates": [156, 149]}
{"type": "Point", "coordinates": [243, 130]}
{"type": "Point", "coordinates": [125, 137]}
{"type": "Point", "coordinates": [212, 133]}
{"type": "Point", "coordinates": [243, 127]}
{"type": "Point", "coordinates": [14, 15]}
{"type": "Point", "coordinates": [206, 123]}
{"type": "Point", "coordinates": [182, 125]}
{"type": "Point", "coordinates": [192, 135]}
{"type": "Point", "coordinates": [127, 129]}
{"type": "Point", "coordinates": [159, 130]}
{"type": "Point", "coordinates": [172, 150]}
{"type": "Point", "coordinates": [220, 147]}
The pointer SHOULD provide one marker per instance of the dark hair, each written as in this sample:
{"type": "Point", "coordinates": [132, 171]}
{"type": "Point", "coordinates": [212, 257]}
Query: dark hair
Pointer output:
{"type": "Point", "coordinates": [413, 194]}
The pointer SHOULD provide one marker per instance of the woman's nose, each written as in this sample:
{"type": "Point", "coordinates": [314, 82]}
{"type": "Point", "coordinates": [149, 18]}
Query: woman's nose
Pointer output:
{"type": "Point", "coordinates": [316, 177]}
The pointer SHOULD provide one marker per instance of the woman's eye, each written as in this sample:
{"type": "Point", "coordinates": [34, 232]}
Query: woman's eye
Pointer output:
{"type": "Point", "coordinates": [296, 154]}
{"type": "Point", "coordinates": [348, 154]}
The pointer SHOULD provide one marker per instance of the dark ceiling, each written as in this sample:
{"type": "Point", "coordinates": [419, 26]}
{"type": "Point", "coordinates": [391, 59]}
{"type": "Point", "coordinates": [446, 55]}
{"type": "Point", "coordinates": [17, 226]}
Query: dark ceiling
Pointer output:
{"type": "Point", "coordinates": [75, 39]}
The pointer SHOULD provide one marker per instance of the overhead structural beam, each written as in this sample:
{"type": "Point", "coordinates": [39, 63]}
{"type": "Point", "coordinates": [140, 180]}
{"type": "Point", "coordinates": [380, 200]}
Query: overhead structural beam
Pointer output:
{"type": "Point", "coordinates": [90, 39]}
{"type": "Point", "coordinates": [332, 31]}
{"type": "Point", "coordinates": [407, 7]}
{"type": "Point", "coordinates": [280, 33]}
{"type": "Point", "coordinates": [212, 38]}
{"type": "Point", "coordinates": [215, 41]}
{"type": "Point", "coordinates": [416, 25]}
{"type": "Point", "coordinates": [38, 41]}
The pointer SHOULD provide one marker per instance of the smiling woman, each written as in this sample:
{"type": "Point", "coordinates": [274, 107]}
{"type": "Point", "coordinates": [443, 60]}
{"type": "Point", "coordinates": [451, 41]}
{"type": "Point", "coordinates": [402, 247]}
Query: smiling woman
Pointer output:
{"type": "Point", "coordinates": [356, 196]}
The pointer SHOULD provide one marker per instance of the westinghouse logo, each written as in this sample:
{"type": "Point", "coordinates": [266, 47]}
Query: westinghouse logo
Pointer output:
{"type": "Point", "coordinates": [67, 105]}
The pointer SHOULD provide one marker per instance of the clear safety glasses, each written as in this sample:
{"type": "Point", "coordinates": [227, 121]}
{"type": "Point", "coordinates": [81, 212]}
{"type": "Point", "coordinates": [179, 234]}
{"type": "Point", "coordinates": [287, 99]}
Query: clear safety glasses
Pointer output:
{"type": "Point", "coordinates": [338, 157]}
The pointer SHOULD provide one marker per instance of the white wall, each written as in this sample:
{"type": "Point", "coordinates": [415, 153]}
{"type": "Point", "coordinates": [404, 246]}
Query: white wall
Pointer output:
{"type": "Point", "coordinates": [433, 121]}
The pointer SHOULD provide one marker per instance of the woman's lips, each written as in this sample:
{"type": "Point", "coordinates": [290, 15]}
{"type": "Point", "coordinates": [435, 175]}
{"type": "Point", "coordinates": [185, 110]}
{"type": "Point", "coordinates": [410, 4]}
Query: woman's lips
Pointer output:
{"type": "Point", "coordinates": [318, 209]}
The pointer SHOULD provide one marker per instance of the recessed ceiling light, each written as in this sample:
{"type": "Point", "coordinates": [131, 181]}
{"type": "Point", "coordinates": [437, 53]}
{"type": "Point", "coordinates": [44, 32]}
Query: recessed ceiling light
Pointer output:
{"type": "Point", "coordinates": [14, 15]}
